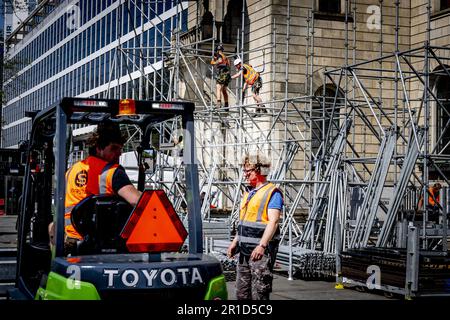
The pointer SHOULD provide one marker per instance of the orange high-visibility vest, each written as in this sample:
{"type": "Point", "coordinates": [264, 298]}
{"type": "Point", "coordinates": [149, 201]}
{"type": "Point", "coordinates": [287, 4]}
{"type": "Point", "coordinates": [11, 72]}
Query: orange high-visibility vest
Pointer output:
{"type": "Point", "coordinates": [431, 201]}
{"type": "Point", "coordinates": [224, 62]}
{"type": "Point", "coordinates": [87, 177]}
{"type": "Point", "coordinates": [254, 217]}
{"type": "Point", "coordinates": [250, 74]}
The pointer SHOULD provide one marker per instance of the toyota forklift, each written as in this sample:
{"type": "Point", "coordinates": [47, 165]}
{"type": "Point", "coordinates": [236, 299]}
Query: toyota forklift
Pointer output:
{"type": "Point", "coordinates": [126, 252]}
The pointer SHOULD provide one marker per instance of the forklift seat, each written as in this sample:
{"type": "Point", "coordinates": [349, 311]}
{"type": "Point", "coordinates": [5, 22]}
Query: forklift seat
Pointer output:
{"type": "Point", "coordinates": [99, 219]}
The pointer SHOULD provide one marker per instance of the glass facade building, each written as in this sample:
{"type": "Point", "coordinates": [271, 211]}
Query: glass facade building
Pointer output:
{"type": "Point", "coordinates": [89, 48]}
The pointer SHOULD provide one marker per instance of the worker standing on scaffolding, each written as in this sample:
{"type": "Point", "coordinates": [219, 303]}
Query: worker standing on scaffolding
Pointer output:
{"type": "Point", "coordinates": [223, 76]}
{"type": "Point", "coordinates": [252, 79]}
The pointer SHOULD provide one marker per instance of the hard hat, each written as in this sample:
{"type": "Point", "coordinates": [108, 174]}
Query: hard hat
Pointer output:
{"type": "Point", "coordinates": [237, 61]}
{"type": "Point", "coordinates": [219, 47]}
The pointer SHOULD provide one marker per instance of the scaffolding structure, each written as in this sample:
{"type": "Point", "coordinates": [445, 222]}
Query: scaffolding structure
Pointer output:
{"type": "Point", "coordinates": [328, 152]}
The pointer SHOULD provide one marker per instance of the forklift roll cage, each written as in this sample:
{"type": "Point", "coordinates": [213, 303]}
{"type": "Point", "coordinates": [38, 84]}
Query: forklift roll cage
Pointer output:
{"type": "Point", "coordinates": [52, 124]}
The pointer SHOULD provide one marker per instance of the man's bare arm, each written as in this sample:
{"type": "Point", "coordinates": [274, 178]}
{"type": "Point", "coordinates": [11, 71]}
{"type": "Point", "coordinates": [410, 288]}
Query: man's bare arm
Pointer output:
{"type": "Point", "coordinates": [274, 218]}
{"type": "Point", "coordinates": [234, 76]}
{"type": "Point", "coordinates": [130, 194]}
{"type": "Point", "coordinates": [271, 228]}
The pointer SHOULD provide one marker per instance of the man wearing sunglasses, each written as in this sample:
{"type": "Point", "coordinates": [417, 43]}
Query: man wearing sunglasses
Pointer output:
{"type": "Point", "coordinates": [258, 232]}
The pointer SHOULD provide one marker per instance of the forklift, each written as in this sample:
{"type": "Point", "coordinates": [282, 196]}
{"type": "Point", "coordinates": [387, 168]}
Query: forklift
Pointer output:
{"type": "Point", "coordinates": [124, 253]}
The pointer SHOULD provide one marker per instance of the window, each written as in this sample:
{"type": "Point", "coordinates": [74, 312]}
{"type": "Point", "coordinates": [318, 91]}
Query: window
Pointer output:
{"type": "Point", "coordinates": [113, 26]}
{"type": "Point", "coordinates": [445, 4]}
{"type": "Point", "coordinates": [322, 109]}
{"type": "Point", "coordinates": [330, 6]}
{"type": "Point", "coordinates": [125, 20]}
{"type": "Point", "coordinates": [103, 32]}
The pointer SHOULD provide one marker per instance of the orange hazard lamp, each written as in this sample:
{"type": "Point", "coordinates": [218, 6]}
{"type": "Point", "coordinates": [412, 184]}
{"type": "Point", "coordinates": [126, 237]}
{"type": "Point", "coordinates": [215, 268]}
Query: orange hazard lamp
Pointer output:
{"type": "Point", "coordinates": [153, 225]}
{"type": "Point", "coordinates": [127, 107]}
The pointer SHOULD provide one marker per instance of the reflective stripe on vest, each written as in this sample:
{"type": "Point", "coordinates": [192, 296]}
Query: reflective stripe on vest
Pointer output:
{"type": "Point", "coordinates": [105, 179]}
{"type": "Point", "coordinates": [250, 74]}
{"type": "Point", "coordinates": [68, 209]}
{"type": "Point", "coordinates": [249, 240]}
{"type": "Point", "coordinates": [85, 178]}
{"type": "Point", "coordinates": [254, 216]}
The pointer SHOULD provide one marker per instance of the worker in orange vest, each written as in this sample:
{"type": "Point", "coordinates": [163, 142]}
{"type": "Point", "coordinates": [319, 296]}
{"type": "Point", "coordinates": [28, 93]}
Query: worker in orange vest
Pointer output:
{"type": "Point", "coordinates": [433, 201]}
{"type": "Point", "coordinates": [223, 77]}
{"type": "Point", "coordinates": [99, 173]}
{"type": "Point", "coordinates": [252, 79]}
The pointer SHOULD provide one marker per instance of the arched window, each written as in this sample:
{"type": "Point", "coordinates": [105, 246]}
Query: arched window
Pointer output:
{"type": "Point", "coordinates": [232, 21]}
{"type": "Point", "coordinates": [322, 110]}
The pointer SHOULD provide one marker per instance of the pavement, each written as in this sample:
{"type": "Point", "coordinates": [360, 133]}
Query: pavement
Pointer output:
{"type": "Point", "coordinates": [284, 289]}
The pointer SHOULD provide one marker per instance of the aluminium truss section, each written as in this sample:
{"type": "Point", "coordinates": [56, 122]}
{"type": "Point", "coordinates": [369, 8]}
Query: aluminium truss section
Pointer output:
{"type": "Point", "coordinates": [337, 211]}
{"type": "Point", "coordinates": [398, 194]}
{"type": "Point", "coordinates": [313, 226]}
{"type": "Point", "coordinates": [372, 195]}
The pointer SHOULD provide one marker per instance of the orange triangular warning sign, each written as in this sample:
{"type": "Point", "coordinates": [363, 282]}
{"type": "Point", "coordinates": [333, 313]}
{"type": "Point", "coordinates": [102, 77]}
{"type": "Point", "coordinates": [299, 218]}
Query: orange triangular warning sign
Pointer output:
{"type": "Point", "coordinates": [154, 225]}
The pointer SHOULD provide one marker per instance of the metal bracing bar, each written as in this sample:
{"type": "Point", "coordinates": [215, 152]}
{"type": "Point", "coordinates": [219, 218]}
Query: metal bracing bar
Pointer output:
{"type": "Point", "coordinates": [427, 89]}
{"type": "Point", "coordinates": [378, 70]}
{"type": "Point", "coordinates": [360, 113]}
{"type": "Point", "coordinates": [367, 100]}
{"type": "Point", "coordinates": [332, 111]}
{"type": "Point", "coordinates": [230, 93]}
{"type": "Point", "coordinates": [447, 144]}
{"type": "Point", "coordinates": [445, 196]}
{"type": "Point", "coordinates": [402, 53]}
{"type": "Point", "coordinates": [319, 203]}
{"type": "Point", "coordinates": [372, 195]}
{"type": "Point", "coordinates": [440, 173]}
{"type": "Point", "coordinates": [399, 191]}
{"type": "Point", "coordinates": [288, 157]}
{"type": "Point", "coordinates": [205, 209]}
{"type": "Point", "coordinates": [278, 115]}
{"type": "Point", "coordinates": [133, 63]}
{"type": "Point", "coordinates": [193, 80]}
{"type": "Point", "coordinates": [113, 66]}
{"type": "Point", "coordinates": [291, 212]}
{"type": "Point", "coordinates": [408, 105]}
{"type": "Point", "coordinates": [412, 262]}
{"type": "Point", "coordinates": [331, 212]}
{"type": "Point", "coordinates": [235, 213]}
{"type": "Point", "coordinates": [385, 166]}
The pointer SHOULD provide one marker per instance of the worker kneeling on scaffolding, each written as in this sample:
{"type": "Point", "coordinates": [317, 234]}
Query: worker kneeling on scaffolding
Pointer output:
{"type": "Point", "coordinates": [258, 231]}
{"type": "Point", "coordinates": [433, 206]}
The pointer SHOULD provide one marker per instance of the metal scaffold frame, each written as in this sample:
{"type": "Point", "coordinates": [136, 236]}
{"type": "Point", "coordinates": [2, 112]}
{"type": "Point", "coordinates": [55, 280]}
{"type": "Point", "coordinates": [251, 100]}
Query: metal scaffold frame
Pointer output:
{"type": "Point", "coordinates": [323, 147]}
